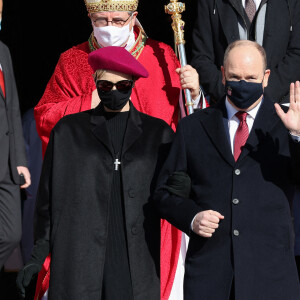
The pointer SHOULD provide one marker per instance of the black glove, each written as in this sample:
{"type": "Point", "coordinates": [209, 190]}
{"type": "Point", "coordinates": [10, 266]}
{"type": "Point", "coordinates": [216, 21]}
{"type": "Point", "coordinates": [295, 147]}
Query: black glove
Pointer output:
{"type": "Point", "coordinates": [26, 278]}
{"type": "Point", "coordinates": [179, 184]}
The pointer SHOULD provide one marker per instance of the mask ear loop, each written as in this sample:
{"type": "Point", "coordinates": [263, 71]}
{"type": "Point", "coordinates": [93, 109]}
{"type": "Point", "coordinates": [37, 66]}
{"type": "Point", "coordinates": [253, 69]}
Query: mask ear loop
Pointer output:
{"type": "Point", "coordinates": [225, 85]}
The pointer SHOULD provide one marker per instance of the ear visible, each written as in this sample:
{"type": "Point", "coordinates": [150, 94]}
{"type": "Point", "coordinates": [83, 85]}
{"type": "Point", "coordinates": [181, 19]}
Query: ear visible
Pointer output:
{"type": "Point", "coordinates": [133, 18]}
{"type": "Point", "coordinates": [266, 78]}
{"type": "Point", "coordinates": [223, 75]}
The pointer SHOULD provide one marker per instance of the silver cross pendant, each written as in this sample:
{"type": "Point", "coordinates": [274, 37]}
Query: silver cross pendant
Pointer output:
{"type": "Point", "coordinates": [117, 163]}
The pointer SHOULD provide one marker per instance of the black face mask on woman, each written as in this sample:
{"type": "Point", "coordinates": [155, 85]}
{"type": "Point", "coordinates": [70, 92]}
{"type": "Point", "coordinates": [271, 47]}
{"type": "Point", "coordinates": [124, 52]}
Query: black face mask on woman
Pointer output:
{"type": "Point", "coordinates": [114, 99]}
{"type": "Point", "coordinates": [243, 93]}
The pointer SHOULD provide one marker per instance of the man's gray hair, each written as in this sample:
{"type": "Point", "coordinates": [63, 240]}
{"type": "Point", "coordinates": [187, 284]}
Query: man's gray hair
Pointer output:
{"type": "Point", "coordinates": [248, 43]}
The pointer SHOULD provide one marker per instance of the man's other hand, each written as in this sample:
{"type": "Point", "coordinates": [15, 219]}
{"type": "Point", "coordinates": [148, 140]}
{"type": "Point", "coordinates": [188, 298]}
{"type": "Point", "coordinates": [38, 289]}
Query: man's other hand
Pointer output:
{"type": "Point", "coordinates": [26, 174]}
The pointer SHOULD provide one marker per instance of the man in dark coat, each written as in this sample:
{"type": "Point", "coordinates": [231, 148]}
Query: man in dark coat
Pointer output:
{"type": "Point", "coordinates": [242, 174]}
{"type": "Point", "coordinates": [275, 26]}
{"type": "Point", "coordinates": [12, 158]}
{"type": "Point", "coordinates": [98, 174]}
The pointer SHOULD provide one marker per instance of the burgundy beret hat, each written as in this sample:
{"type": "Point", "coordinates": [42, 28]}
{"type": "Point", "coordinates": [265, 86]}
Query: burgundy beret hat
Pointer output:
{"type": "Point", "coordinates": [116, 59]}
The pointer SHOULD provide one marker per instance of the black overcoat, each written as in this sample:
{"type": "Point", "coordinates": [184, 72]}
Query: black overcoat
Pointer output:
{"type": "Point", "coordinates": [76, 183]}
{"type": "Point", "coordinates": [216, 27]}
{"type": "Point", "coordinates": [254, 243]}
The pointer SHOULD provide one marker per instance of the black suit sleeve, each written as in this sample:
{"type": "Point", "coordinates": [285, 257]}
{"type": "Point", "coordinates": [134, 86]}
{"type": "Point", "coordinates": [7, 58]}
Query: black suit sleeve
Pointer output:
{"type": "Point", "coordinates": [287, 69]}
{"type": "Point", "coordinates": [16, 117]}
{"type": "Point", "coordinates": [204, 53]}
{"type": "Point", "coordinates": [177, 210]}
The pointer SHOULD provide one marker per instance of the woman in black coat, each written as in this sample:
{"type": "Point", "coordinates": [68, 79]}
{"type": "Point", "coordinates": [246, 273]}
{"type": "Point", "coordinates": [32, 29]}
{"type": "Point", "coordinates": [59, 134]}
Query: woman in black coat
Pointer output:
{"type": "Point", "coordinates": [98, 174]}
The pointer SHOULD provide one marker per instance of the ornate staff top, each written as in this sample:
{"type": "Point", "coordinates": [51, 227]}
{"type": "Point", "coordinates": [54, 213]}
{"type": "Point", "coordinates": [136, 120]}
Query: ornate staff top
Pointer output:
{"type": "Point", "coordinates": [175, 9]}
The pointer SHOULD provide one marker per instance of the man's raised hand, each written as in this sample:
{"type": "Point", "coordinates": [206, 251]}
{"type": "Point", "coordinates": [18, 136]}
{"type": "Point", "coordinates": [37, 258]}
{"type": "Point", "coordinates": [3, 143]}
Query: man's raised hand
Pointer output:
{"type": "Point", "coordinates": [291, 119]}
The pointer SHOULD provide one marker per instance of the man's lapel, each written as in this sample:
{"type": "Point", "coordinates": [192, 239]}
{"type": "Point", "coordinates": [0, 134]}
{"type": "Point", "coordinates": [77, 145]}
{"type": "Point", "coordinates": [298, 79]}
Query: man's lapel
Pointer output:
{"type": "Point", "coordinates": [270, 24]}
{"type": "Point", "coordinates": [215, 124]}
{"type": "Point", "coordinates": [275, 10]}
{"type": "Point", "coordinates": [228, 18]}
{"type": "Point", "coordinates": [263, 124]}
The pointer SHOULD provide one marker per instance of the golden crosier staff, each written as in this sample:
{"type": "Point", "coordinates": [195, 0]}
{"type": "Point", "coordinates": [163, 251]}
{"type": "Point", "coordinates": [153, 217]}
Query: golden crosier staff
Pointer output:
{"type": "Point", "coordinates": [175, 9]}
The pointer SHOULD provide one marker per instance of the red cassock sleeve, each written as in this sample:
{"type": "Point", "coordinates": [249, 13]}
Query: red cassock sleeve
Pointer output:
{"type": "Point", "coordinates": [69, 91]}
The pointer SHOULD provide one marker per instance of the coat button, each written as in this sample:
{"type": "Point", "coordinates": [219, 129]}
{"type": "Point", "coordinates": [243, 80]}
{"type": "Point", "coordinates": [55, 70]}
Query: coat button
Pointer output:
{"type": "Point", "coordinates": [236, 232]}
{"type": "Point", "coordinates": [131, 193]}
{"type": "Point", "coordinates": [237, 172]}
{"type": "Point", "coordinates": [134, 230]}
{"type": "Point", "coordinates": [7, 132]}
{"type": "Point", "coordinates": [235, 201]}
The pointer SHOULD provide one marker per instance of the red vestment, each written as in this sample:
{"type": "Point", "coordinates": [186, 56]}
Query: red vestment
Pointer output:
{"type": "Point", "coordinates": [69, 91]}
{"type": "Point", "coordinates": [70, 87]}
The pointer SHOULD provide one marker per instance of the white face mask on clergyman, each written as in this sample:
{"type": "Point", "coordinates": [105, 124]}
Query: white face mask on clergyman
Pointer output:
{"type": "Point", "coordinates": [111, 35]}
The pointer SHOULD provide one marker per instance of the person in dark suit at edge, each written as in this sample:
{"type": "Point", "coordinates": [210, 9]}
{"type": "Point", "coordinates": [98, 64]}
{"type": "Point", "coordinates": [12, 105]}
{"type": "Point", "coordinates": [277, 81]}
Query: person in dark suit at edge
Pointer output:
{"type": "Point", "coordinates": [243, 160]}
{"type": "Point", "coordinates": [13, 166]}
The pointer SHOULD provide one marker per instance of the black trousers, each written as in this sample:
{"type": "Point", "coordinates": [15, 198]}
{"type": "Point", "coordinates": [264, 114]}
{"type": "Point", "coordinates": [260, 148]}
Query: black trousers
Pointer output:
{"type": "Point", "coordinates": [298, 264]}
{"type": "Point", "coordinates": [10, 217]}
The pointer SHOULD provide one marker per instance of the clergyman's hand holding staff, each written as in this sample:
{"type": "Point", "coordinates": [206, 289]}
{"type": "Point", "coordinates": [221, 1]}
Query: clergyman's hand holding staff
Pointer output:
{"type": "Point", "coordinates": [175, 9]}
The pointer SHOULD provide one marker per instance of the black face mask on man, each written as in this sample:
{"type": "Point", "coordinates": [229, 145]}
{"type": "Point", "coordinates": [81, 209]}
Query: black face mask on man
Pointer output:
{"type": "Point", "coordinates": [243, 93]}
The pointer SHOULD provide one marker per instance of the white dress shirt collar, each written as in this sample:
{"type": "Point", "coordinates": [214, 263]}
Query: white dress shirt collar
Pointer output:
{"type": "Point", "coordinates": [231, 111]}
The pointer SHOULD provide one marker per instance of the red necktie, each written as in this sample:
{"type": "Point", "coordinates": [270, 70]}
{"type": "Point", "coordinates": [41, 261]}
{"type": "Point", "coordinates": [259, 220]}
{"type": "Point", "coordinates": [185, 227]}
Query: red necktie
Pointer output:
{"type": "Point", "coordinates": [241, 135]}
{"type": "Point", "coordinates": [250, 9]}
{"type": "Point", "coordinates": [2, 85]}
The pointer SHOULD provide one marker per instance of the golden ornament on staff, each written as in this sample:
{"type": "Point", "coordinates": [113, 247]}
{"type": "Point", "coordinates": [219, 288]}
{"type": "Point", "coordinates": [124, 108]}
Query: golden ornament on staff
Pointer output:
{"type": "Point", "coordinates": [175, 8]}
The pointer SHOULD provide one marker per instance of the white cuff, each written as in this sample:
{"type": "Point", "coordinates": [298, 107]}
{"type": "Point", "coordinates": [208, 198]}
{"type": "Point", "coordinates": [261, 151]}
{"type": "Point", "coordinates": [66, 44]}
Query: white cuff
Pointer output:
{"type": "Point", "coordinates": [196, 102]}
{"type": "Point", "coordinates": [296, 138]}
{"type": "Point", "coordinates": [192, 223]}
